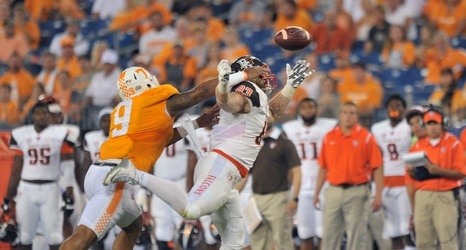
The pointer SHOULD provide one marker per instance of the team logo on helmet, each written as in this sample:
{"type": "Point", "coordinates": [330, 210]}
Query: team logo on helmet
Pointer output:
{"type": "Point", "coordinates": [134, 81]}
{"type": "Point", "coordinates": [267, 82]}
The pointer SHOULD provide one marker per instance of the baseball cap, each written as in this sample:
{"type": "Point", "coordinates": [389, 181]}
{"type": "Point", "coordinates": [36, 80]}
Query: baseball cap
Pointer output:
{"type": "Point", "coordinates": [67, 41]}
{"type": "Point", "coordinates": [104, 111]}
{"type": "Point", "coordinates": [414, 111]}
{"type": "Point", "coordinates": [432, 115]}
{"type": "Point", "coordinates": [109, 56]}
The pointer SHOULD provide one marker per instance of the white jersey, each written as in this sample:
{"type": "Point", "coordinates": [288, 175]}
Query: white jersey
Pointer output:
{"type": "Point", "coordinates": [41, 151]}
{"type": "Point", "coordinates": [172, 163]}
{"type": "Point", "coordinates": [308, 142]}
{"type": "Point", "coordinates": [240, 135]}
{"type": "Point", "coordinates": [394, 143]}
{"type": "Point", "coordinates": [92, 142]}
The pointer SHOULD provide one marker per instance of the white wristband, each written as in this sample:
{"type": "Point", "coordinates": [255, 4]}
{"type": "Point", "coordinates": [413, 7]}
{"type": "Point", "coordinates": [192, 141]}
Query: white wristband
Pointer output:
{"type": "Point", "coordinates": [288, 91]}
{"type": "Point", "coordinates": [236, 78]}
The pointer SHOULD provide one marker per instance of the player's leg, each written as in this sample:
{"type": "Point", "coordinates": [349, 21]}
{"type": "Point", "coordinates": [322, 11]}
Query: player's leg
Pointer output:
{"type": "Point", "coordinates": [128, 236]}
{"type": "Point", "coordinates": [27, 213]}
{"type": "Point", "coordinates": [165, 226]}
{"type": "Point", "coordinates": [51, 216]}
{"type": "Point", "coordinates": [228, 221]}
{"type": "Point", "coordinates": [305, 216]}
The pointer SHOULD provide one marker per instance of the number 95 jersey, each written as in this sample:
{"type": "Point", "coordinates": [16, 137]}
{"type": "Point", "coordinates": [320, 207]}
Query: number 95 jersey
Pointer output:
{"type": "Point", "coordinates": [41, 151]}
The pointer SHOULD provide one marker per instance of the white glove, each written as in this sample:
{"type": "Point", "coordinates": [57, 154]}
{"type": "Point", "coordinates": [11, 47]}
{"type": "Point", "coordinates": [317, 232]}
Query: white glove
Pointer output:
{"type": "Point", "coordinates": [224, 71]}
{"type": "Point", "coordinates": [296, 76]}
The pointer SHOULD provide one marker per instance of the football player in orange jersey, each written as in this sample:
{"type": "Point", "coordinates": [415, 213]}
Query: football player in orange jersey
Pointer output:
{"type": "Point", "coordinates": [141, 127]}
{"type": "Point", "coordinates": [235, 143]}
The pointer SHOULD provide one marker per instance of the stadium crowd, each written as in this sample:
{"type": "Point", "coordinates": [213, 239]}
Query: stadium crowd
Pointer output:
{"type": "Point", "coordinates": [364, 52]}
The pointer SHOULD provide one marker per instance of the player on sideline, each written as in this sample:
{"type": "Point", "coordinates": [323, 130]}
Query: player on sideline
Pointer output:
{"type": "Point", "coordinates": [235, 143]}
{"type": "Point", "coordinates": [393, 136]}
{"type": "Point", "coordinates": [307, 133]}
{"type": "Point", "coordinates": [141, 127]}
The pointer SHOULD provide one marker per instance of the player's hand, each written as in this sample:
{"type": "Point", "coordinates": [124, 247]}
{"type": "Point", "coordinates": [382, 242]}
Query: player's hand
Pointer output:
{"type": "Point", "coordinates": [224, 71]}
{"type": "Point", "coordinates": [291, 209]}
{"type": "Point", "coordinates": [317, 204]}
{"type": "Point", "coordinates": [68, 203]}
{"type": "Point", "coordinates": [376, 203]}
{"type": "Point", "coordinates": [256, 72]}
{"type": "Point", "coordinates": [296, 75]}
{"type": "Point", "coordinates": [209, 118]}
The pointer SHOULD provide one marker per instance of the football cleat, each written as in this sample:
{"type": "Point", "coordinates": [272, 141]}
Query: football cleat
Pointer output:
{"type": "Point", "coordinates": [123, 172]}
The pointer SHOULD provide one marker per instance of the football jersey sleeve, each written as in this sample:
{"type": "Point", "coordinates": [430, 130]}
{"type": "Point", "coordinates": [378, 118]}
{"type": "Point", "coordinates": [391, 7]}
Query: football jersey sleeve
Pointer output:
{"type": "Point", "coordinates": [248, 90]}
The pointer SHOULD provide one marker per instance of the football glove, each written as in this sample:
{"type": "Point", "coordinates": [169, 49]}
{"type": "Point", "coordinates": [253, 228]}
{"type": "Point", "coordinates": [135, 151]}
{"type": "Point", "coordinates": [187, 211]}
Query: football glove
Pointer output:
{"type": "Point", "coordinates": [296, 75]}
{"type": "Point", "coordinates": [68, 204]}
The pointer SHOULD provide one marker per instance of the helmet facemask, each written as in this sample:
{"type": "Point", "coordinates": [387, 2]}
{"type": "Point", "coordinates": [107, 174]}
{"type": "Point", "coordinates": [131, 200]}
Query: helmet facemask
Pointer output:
{"type": "Point", "coordinates": [266, 82]}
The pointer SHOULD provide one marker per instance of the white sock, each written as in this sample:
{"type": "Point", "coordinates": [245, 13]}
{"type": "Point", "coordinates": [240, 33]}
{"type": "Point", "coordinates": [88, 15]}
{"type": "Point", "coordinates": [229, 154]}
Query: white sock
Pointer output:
{"type": "Point", "coordinates": [410, 248]}
{"type": "Point", "coordinates": [166, 190]}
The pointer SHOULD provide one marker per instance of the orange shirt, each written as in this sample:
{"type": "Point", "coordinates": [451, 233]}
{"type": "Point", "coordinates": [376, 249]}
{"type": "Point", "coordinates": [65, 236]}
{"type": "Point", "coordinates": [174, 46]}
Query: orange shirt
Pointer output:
{"type": "Point", "coordinates": [306, 4]}
{"type": "Point", "coordinates": [143, 129]}
{"type": "Point", "coordinates": [331, 40]}
{"type": "Point", "coordinates": [33, 30]}
{"type": "Point", "coordinates": [448, 154]}
{"type": "Point", "coordinates": [302, 19]}
{"type": "Point", "coordinates": [437, 95]}
{"type": "Point", "coordinates": [463, 138]}
{"type": "Point", "coordinates": [142, 12]}
{"type": "Point", "coordinates": [9, 113]}
{"type": "Point", "coordinates": [16, 44]}
{"type": "Point", "coordinates": [39, 9]}
{"type": "Point", "coordinates": [407, 49]}
{"type": "Point", "coordinates": [341, 74]}
{"type": "Point", "coordinates": [72, 66]}
{"type": "Point", "coordinates": [206, 73]}
{"type": "Point", "coordinates": [365, 95]}
{"type": "Point", "coordinates": [124, 20]}
{"type": "Point", "coordinates": [349, 159]}
{"type": "Point", "coordinates": [435, 63]}
{"type": "Point", "coordinates": [446, 21]}
{"type": "Point", "coordinates": [215, 29]}
{"type": "Point", "coordinates": [23, 79]}
{"type": "Point", "coordinates": [232, 54]}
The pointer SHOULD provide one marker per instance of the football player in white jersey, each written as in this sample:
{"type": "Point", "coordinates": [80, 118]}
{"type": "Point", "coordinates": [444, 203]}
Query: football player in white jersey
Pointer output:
{"type": "Point", "coordinates": [44, 153]}
{"type": "Point", "coordinates": [307, 132]}
{"type": "Point", "coordinates": [235, 143]}
{"type": "Point", "coordinates": [393, 136]}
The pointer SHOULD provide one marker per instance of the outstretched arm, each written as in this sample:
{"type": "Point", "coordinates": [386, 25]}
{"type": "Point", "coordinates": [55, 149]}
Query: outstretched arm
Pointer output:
{"type": "Point", "coordinates": [185, 100]}
{"type": "Point", "coordinates": [295, 77]}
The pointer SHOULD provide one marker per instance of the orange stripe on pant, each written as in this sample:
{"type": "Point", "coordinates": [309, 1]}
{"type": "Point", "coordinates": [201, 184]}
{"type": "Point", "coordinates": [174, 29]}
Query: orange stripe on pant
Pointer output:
{"type": "Point", "coordinates": [242, 169]}
{"type": "Point", "coordinates": [112, 206]}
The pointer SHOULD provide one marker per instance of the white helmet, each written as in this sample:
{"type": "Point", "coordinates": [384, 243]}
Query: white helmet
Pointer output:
{"type": "Point", "coordinates": [134, 81]}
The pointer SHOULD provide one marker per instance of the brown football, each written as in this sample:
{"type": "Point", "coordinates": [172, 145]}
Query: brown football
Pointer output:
{"type": "Point", "coordinates": [293, 38]}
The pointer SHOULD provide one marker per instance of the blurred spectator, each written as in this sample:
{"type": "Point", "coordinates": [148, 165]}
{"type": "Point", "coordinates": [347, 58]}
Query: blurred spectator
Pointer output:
{"type": "Point", "coordinates": [5, 13]}
{"type": "Point", "coordinates": [106, 10]}
{"type": "Point", "coordinates": [209, 69]}
{"type": "Point", "coordinates": [364, 23]}
{"type": "Point", "coordinates": [102, 90]}
{"type": "Point", "coordinates": [143, 12]}
{"type": "Point", "coordinates": [363, 90]}
{"type": "Point", "coordinates": [246, 14]}
{"type": "Point", "coordinates": [9, 111]}
{"type": "Point", "coordinates": [202, 13]}
{"type": "Point", "coordinates": [48, 75]}
{"type": "Point", "coordinates": [329, 99]}
{"type": "Point", "coordinates": [38, 91]}
{"type": "Point", "coordinates": [126, 18]}
{"type": "Point", "coordinates": [144, 61]}
{"type": "Point", "coordinates": [67, 10]}
{"type": "Point", "coordinates": [441, 56]}
{"type": "Point", "coordinates": [288, 14]}
{"type": "Point", "coordinates": [68, 98]}
{"type": "Point", "coordinates": [449, 16]}
{"type": "Point", "coordinates": [267, 21]}
{"type": "Point", "coordinates": [29, 29]}
{"type": "Point", "coordinates": [152, 42]}
{"type": "Point", "coordinates": [81, 82]}
{"type": "Point", "coordinates": [357, 9]}
{"type": "Point", "coordinates": [329, 37]}
{"type": "Point", "coordinates": [398, 52]}
{"type": "Point", "coordinates": [199, 47]}
{"type": "Point", "coordinates": [81, 44]}
{"type": "Point", "coordinates": [426, 38]}
{"type": "Point", "coordinates": [20, 80]}
{"type": "Point", "coordinates": [461, 113]}
{"type": "Point", "coordinates": [396, 13]}
{"type": "Point", "coordinates": [312, 83]}
{"type": "Point", "coordinates": [39, 10]}
{"type": "Point", "coordinates": [378, 33]}
{"type": "Point", "coordinates": [342, 68]}
{"type": "Point", "coordinates": [308, 5]}
{"type": "Point", "coordinates": [96, 54]}
{"type": "Point", "coordinates": [179, 70]}
{"type": "Point", "coordinates": [68, 61]}
{"type": "Point", "coordinates": [447, 95]}
{"type": "Point", "coordinates": [12, 43]}
{"type": "Point", "coordinates": [343, 19]}
{"type": "Point", "coordinates": [233, 48]}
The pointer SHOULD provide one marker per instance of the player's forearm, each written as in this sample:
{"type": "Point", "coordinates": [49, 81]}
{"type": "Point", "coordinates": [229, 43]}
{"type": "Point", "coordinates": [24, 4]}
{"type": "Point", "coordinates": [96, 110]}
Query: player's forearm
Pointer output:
{"type": "Point", "coordinates": [411, 191]}
{"type": "Point", "coordinates": [378, 179]}
{"type": "Point", "coordinates": [320, 180]}
{"type": "Point", "coordinates": [14, 177]}
{"type": "Point", "coordinates": [296, 180]}
{"type": "Point", "coordinates": [182, 101]}
{"type": "Point", "coordinates": [280, 101]}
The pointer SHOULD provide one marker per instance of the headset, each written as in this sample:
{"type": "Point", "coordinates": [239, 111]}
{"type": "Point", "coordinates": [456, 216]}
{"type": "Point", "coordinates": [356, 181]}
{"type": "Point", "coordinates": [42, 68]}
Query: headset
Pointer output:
{"type": "Point", "coordinates": [437, 110]}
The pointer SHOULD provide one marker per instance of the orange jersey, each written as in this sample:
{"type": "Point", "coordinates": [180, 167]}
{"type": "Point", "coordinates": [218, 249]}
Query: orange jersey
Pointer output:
{"type": "Point", "coordinates": [447, 154]}
{"type": "Point", "coordinates": [463, 140]}
{"type": "Point", "coordinates": [140, 128]}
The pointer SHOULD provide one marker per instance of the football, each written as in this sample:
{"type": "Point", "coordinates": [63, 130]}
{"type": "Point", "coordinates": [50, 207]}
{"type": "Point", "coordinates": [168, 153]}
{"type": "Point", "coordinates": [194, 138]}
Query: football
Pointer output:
{"type": "Point", "coordinates": [293, 38]}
